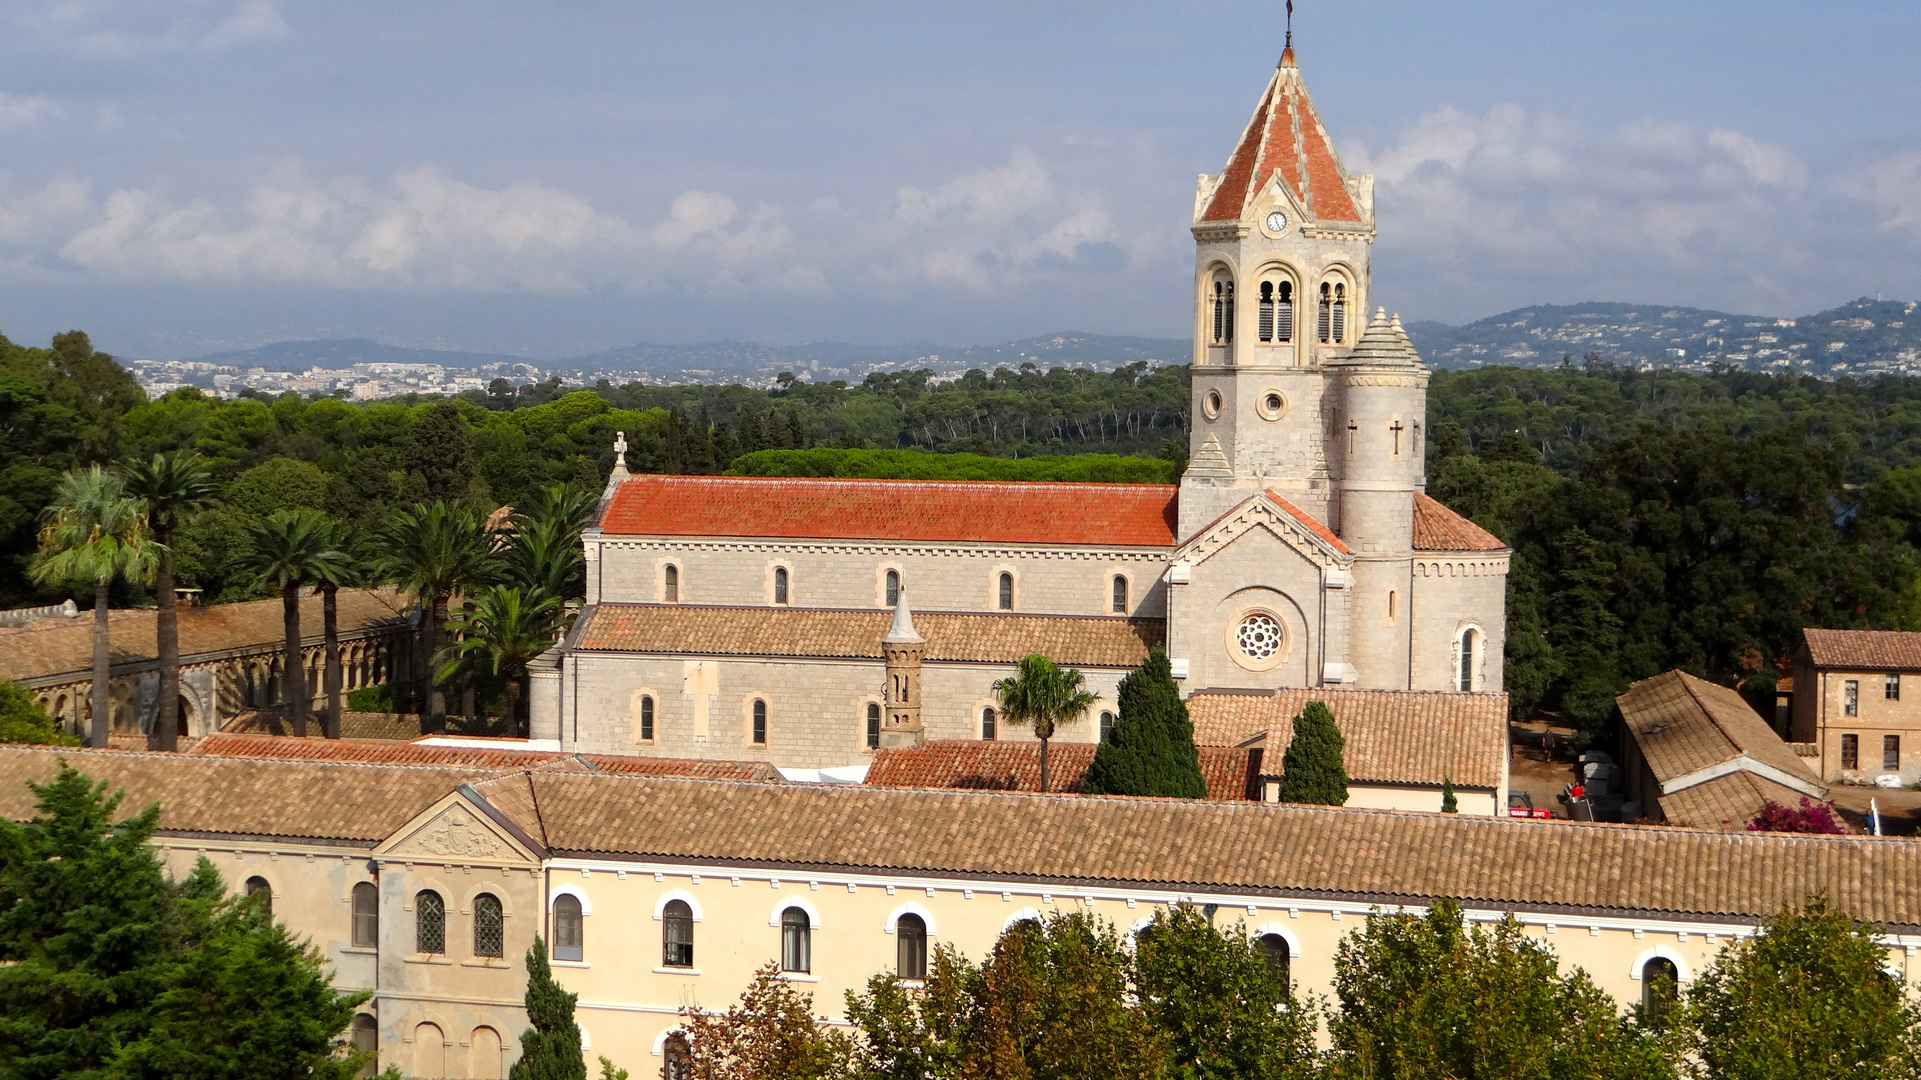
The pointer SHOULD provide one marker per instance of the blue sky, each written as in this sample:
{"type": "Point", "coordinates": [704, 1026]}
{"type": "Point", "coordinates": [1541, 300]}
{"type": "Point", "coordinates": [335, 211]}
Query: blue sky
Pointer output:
{"type": "Point", "coordinates": [549, 179]}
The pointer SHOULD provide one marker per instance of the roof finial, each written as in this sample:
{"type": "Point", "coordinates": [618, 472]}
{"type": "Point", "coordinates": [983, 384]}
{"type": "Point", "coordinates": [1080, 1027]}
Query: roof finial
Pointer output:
{"type": "Point", "coordinates": [1287, 54]}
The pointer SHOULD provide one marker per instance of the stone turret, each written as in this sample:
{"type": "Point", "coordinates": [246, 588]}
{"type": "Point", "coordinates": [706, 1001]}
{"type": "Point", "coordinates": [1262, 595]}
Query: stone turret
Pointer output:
{"type": "Point", "coordinates": [904, 649]}
{"type": "Point", "coordinates": [1380, 447]}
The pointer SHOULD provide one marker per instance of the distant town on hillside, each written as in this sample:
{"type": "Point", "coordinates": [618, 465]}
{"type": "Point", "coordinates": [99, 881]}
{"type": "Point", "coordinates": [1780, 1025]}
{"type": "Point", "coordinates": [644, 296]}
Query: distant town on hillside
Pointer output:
{"type": "Point", "coordinates": [1863, 338]}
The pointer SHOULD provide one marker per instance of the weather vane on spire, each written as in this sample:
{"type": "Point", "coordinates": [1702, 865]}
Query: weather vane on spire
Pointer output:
{"type": "Point", "coordinates": [1290, 24]}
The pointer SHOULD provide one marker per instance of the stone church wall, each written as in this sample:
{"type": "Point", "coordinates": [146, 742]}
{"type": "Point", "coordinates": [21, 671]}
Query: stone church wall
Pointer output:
{"type": "Point", "coordinates": [1450, 594]}
{"type": "Point", "coordinates": [1063, 581]}
{"type": "Point", "coordinates": [1256, 571]}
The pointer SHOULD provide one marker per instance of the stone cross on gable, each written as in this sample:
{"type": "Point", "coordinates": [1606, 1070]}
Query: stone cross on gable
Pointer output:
{"type": "Point", "coordinates": [620, 447]}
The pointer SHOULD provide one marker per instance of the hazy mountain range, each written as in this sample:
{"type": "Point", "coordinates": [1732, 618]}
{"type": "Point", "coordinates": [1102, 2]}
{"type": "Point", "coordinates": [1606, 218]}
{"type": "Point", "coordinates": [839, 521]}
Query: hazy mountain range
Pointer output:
{"type": "Point", "coordinates": [1862, 337]}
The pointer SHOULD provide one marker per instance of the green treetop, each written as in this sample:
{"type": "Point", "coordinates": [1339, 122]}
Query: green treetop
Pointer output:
{"type": "Point", "coordinates": [1313, 770]}
{"type": "Point", "coordinates": [1151, 751]}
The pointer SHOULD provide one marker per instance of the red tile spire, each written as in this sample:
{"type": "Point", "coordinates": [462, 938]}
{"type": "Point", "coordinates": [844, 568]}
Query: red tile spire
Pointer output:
{"type": "Point", "coordinates": [1284, 137]}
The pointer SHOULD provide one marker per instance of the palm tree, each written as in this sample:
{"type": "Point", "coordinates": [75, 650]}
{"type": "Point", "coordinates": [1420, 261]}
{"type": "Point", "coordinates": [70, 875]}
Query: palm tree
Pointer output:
{"type": "Point", "coordinates": [345, 571]}
{"type": "Point", "coordinates": [170, 485]}
{"type": "Point", "coordinates": [433, 551]}
{"type": "Point", "coordinates": [545, 557]}
{"type": "Point", "coordinates": [291, 549]}
{"type": "Point", "coordinates": [1043, 695]}
{"type": "Point", "coordinates": [502, 628]}
{"type": "Point", "coordinates": [94, 532]}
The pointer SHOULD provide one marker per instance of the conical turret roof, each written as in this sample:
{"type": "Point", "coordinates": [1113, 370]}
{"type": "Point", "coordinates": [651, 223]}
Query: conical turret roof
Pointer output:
{"type": "Point", "coordinates": [1383, 343]}
{"type": "Point", "coordinates": [1285, 137]}
{"type": "Point", "coordinates": [902, 632]}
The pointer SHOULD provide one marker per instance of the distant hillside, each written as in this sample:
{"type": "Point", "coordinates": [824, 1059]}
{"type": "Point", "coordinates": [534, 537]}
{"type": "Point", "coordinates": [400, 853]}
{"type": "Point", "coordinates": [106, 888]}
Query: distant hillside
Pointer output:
{"type": "Point", "coordinates": [335, 353]}
{"type": "Point", "coordinates": [1861, 338]}
{"type": "Point", "coordinates": [825, 361]}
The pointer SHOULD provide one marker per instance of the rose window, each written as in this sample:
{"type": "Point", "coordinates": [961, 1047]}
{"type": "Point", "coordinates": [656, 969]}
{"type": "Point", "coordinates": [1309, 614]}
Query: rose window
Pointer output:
{"type": "Point", "coordinates": [1259, 636]}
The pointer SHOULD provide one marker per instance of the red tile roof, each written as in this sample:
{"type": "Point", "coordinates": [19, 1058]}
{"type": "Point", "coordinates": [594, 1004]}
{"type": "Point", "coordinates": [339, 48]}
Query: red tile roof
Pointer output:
{"type": "Point", "coordinates": [1308, 520]}
{"type": "Point", "coordinates": [1874, 650]}
{"type": "Point", "coordinates": [507, 754]}
{"type": "Point", "coordinates": [1286, 137]}
{"type": "Point", "coordinates": [1128, 515]}
{"type": "Point", "coordinates": [1436, 528]}
{"type": "Point", "coordinates": [1232, 772]}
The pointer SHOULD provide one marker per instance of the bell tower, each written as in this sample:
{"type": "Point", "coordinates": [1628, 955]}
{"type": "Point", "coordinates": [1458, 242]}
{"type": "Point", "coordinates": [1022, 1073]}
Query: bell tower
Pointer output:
{"type": "Point", "coordinates": [1282, 239]}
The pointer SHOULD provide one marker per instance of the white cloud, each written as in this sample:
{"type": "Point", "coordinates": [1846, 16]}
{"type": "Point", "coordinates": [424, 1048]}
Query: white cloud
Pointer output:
{"type": "Point", "coordinates": [253, 20]}
{"type": "Point", "coordinates": [25, 110]}
{"type": "Point", "coordinates": [1510, 207]}
{"type": "Point", "coordinates": [116, 28]}
{"type": "Point", "coordinates": [424, 230]}
{"type": "Point", "coordinates": [1894, 184]}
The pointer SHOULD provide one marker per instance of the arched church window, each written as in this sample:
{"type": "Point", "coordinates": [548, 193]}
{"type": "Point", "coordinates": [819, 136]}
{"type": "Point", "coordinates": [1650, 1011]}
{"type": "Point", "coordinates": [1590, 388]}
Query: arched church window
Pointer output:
{"type": "Point", "coordinates": [1325, 324]}
{"type": "Point", "coordinates": [1230, 314]}
{"type": "Point", "coordinates": [1006, 591]}
{"type": "Point", "coordinates": [1659, 979]}
{"type": "Point", "coordinates": [1120, 595]}
{"type": "Point", "coordinates": [988, 724]}
{"type": "Point", "coordinates": [760, 722]}
{"type": "Point", "coordinates": [430, 923]}
{"type": "Point", "coordinates": [258, 887]}
{"type": "Point", "coordinates": [1275, 951]}
{"type": "Point", "coordinates": [366, 927]}
{"type": "Point", "coordinates": [1220, 311]}
{"type": "Point", "coordinates": [671, 583]}
{"type": "Point", "coordinates": [873, 726]}
{"type": "Point", "coordinates": [780, 584]}
{"type": "Point", "coordinates": [893, 587]}
{"type": "Point", "coordinates": [1469, 641]}
{"type": "Point", "coordinates": [1107, 726]}
{"type": "Point", "coordinates": [1340, 313]}
{"type": "Point", "coordinates": [489, 926]}
{"type": "Point", "coordinates": [1267, 311]}
{"type": "Point", "coordinates": [910, 956]}
{"type": "Point", "coordinates": [1284, 311]}
{"type": "Point", "coordinates": [646, 716]}
{"type": "Point", "coordinates": [677, 935]}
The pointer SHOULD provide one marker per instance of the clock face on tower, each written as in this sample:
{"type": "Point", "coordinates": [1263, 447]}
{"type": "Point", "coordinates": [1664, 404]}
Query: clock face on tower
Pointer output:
{"type": "Point", "coordinates": [1276, 223]}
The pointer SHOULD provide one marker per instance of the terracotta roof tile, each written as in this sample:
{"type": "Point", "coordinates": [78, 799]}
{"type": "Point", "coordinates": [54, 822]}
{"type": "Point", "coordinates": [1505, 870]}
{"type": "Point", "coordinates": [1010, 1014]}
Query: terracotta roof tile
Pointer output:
{"type": "Point", "coordinates": [198, 793]}
{"type": "Point", "coordinates": [1726, 803]}
{"type": "Point", "coordinates": [1360, 854]}
{"type": "Point", "coordinates": [1871, 650]}
{"type": "Point", "coordinates": [1393, 736]}
{"type": "Point", "coordinates": [1308, 520]}
{"type": "Point", "coordinates": [1436, 528]}
{"type": "Point", "coordinates": [508, 754]}
{"type": "Point", "coordinates": [50, 647]}
{"type": "Point", "coordinates": [1231, 772]}
{"type": "Point", "coordinates": [1082, 640]}
{"type": "Point", "coordinates": [1682, 724]}
{"type": "Point", "coordinates": [1364, 855]}
{"type": "Point", "coordinates": [1284, 134]}
{"type": "Point", "coordinates": [1125, 515]}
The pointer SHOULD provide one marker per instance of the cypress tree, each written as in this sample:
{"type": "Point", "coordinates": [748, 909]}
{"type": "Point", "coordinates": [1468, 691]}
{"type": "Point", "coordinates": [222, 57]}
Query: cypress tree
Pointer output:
{"type": "Point", "coordinates": [550, 1050]}
{"type": "Point", "coordinates": [1312, 769]}
{"type": "Point", "coordinates": [1448, 803]}
{"type": "Point", "coordinates": [1151, 751]}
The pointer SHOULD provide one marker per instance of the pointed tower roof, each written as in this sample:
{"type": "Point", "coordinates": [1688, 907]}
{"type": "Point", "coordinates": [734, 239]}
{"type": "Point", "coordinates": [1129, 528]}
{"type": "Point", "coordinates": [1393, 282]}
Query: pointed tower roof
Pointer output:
{"type": "Point", "coordinates": [902, 632]}
{"type": "Point", "coordinates": [1384, 342]}
{"type": "Point", "coordinates": [1285, 138]}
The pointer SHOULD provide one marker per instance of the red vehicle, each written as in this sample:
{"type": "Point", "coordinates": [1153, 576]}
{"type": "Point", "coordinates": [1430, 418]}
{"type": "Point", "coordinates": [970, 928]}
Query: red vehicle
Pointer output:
{"type": "Point", "coordinates": [1521, 804]}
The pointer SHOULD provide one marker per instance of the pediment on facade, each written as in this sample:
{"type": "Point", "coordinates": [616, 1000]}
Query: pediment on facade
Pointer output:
{"type": "Point", "coordinates": [1270, 513]}
{"type": "Point", "coordinates": [1275, 195]}
{"type": "Point", "coordinates": [456, 830]}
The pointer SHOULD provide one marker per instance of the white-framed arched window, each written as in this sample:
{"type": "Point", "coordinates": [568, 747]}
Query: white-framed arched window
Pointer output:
{"type": "Point", "coordinates": [1470, 655]}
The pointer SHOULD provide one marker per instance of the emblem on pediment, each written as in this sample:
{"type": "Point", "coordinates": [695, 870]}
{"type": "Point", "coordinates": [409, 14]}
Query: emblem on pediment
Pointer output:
{"type": "Point", "coordinates": [457, 835]}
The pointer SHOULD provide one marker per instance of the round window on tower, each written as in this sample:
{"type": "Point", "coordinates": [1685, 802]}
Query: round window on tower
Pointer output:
{"type": "Point", "coordinates": [1257, 639]}
{"type": "Point", "coordinates": [1211, 404]}
{"type": "Point", "coordinates": [1272, 405]}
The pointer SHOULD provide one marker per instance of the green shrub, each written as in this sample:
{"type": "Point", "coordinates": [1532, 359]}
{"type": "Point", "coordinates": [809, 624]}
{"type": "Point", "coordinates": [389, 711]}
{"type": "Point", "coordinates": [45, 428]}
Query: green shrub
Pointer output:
{"type": "Point", "coordinates": [376, 698]}
{"type": "Point", "coordinates": [25, 720]}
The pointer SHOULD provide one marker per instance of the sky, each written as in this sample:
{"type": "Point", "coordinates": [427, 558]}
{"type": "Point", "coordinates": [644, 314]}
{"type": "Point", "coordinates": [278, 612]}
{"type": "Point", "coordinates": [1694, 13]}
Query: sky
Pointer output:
{"type": "Point", "coordinates": [187, 176]}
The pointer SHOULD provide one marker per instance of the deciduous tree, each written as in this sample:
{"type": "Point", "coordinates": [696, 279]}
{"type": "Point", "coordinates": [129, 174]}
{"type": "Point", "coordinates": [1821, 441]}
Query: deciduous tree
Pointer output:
{"type": "Point", "coordinates": [1226, 1011]}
